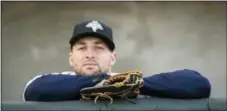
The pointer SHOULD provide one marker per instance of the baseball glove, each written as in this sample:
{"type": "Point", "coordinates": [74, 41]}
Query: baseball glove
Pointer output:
{"type": "Point", "coordinates": [124, 86]}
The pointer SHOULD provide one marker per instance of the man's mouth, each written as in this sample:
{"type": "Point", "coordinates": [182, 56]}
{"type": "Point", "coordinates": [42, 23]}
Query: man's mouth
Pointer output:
{"type": "Point", "coordinates": [89, 64]}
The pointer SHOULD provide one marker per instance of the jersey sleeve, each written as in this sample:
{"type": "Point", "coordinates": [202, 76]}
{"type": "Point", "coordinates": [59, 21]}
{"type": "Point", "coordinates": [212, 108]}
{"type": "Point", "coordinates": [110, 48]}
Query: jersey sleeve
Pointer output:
{"type": "Point", "coordinates": [52, 87]}
{"type": "Point", "coordinates": [182, 84]}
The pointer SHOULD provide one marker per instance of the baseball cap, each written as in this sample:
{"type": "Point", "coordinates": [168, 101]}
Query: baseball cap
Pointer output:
{"type": "Point", "coordinates": [93, 28]}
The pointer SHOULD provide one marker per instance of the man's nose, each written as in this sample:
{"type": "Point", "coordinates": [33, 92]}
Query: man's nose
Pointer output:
{"type": "Point", "coordinates": [90, 54]}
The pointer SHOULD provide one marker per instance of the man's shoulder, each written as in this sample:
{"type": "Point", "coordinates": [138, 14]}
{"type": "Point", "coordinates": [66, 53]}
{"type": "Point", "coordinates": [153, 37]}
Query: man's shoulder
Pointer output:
{"type": "Point", "coordinates": [69, 73]}
{"type": "Point", "coordinates": [73, 73]}
{"type": "Point", "coordinates": [57, 73]}
{"type": "Point", "coordinates": [63, 73]}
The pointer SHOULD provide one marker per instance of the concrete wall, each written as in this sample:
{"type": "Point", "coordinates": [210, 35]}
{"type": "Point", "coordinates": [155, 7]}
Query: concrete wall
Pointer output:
{"type": "Point", "coordinates": [152, 36]}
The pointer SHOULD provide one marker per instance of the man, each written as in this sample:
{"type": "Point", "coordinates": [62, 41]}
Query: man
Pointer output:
{"type": "Point", "coordinates": [92, 56]}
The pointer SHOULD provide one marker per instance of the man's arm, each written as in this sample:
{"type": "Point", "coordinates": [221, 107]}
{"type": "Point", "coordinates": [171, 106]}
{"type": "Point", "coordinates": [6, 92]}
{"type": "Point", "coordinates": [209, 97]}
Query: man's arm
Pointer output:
{"type": "Point", "coordinates": [58, 87]}
{"type": "Point", "coordinates": [181, 84]}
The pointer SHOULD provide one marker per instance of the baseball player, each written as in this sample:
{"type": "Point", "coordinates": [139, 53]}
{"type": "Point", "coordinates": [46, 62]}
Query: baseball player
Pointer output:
{"type": "Point", "coordinates": [92, 55]}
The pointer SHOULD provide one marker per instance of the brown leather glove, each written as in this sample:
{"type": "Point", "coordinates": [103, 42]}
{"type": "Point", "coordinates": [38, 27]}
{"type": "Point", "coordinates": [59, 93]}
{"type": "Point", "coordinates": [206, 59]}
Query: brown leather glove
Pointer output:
{"type": "Point", "coordinates": [123, 85]}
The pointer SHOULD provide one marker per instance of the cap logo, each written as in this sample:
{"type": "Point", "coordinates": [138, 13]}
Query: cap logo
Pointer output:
{"type": "Point", "coordinates": [94, 25]}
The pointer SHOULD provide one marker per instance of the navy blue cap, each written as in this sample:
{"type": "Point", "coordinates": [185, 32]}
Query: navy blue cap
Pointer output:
{"type": "Point", "coordinates": [93, 28]}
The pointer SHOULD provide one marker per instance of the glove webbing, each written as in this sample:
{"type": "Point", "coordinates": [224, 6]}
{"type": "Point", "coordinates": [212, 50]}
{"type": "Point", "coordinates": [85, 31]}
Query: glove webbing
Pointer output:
{"type": "Point", "coordinates": [123, 92]}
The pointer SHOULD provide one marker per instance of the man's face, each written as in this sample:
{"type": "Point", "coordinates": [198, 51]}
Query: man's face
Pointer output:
{"type": "Point", "coordinates": [91, 56]}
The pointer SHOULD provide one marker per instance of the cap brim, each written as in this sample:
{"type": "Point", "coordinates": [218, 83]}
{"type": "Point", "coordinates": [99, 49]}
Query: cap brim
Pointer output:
{"type": "Point", "coordinates": [106, 39]}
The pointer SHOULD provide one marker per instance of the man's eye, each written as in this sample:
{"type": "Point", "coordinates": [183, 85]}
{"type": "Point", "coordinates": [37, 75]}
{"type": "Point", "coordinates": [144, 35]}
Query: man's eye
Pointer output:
{"type": "Point", "coordinates": [99, 48]}
{"type": "Point", "coordinates": [81, 48]}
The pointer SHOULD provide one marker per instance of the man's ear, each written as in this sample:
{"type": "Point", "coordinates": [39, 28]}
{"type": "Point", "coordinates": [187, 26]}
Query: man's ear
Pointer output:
{"type": "Point", "coordinates": [70, 59]}
{"type": "Point", "coordinates": [114, 55]}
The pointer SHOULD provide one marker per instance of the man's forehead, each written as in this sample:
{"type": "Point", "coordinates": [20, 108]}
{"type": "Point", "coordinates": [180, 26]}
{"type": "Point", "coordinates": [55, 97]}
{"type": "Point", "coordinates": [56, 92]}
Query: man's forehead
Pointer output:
{"type": "Point", "coordinates": [90, 39]}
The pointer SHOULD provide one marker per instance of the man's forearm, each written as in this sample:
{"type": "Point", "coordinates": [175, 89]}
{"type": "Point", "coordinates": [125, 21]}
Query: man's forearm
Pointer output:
{"type": "Point", "coordinates": [58, 87]}
{"type": "Point", "coordinates": [184, 84]}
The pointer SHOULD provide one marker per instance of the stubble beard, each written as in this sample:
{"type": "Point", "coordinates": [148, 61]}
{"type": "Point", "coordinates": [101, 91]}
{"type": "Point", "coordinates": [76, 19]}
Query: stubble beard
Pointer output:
{"type": "Point", "coordinates": [82, 71]}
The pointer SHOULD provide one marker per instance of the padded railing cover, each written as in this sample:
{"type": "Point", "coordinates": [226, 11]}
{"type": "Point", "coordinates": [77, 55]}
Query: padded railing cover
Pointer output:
{"type": "Point", "coordinates": [209, 104]}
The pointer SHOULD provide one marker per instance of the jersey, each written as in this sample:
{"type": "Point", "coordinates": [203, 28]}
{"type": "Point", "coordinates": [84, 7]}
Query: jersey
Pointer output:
{"type": "Point", "coordinates": [181, 84]}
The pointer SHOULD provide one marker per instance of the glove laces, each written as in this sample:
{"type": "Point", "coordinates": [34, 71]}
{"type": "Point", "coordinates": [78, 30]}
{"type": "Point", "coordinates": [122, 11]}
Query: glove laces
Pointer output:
{"type": "Point", "coordinates": [123, 93]}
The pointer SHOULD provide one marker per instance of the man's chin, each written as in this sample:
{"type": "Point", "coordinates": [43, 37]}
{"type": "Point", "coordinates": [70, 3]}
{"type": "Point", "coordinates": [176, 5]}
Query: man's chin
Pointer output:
{"type": "Point", "coordinates": [91, 72]}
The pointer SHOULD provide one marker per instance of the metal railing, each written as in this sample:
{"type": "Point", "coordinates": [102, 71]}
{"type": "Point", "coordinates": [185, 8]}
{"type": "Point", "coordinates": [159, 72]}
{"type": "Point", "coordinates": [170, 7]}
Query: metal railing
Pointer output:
{"type": "Point", "coordinates": [209, 104]}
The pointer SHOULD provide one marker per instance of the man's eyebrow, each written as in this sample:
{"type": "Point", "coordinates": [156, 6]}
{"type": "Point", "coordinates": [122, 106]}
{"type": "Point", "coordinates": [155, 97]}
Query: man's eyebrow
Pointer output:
{"type": "Point", "coordinates": [99, 42]}
{"type": "Point", "coordinates": [80, 43]}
